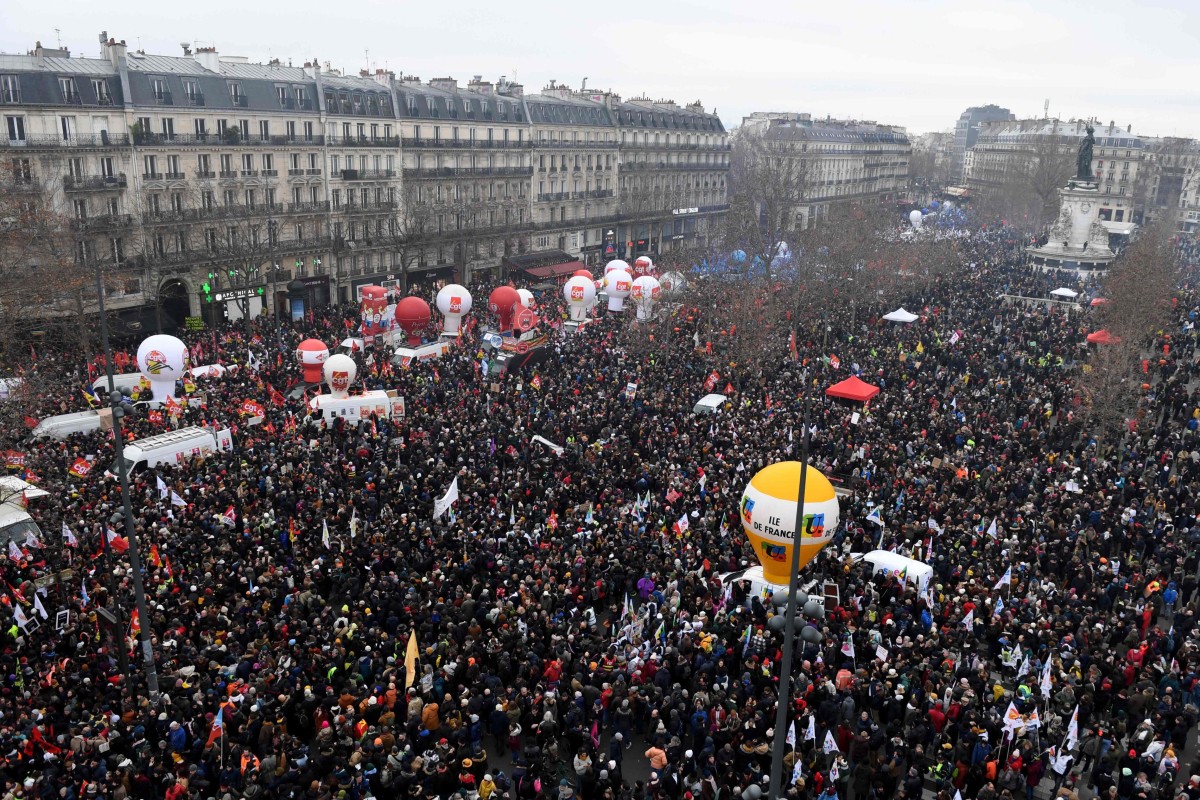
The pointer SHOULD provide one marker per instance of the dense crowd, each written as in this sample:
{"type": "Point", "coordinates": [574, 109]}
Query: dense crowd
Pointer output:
{"type": "Point", "coordinates": [571, 641]}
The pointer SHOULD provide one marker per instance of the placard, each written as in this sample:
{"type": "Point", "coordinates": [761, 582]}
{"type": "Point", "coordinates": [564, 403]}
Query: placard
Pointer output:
{"type": "Point", "coordinates": [194, 323]}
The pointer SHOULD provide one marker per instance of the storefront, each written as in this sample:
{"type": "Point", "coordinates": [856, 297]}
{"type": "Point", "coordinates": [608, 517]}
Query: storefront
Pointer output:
{"type": "Point", "coordinates": [231, 305]}
{"type": "Point", "coordinates": [312, 289]}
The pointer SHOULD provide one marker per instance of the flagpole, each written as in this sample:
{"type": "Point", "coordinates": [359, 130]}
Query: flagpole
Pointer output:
{"type": "Point", "coordinates": [783, 699]}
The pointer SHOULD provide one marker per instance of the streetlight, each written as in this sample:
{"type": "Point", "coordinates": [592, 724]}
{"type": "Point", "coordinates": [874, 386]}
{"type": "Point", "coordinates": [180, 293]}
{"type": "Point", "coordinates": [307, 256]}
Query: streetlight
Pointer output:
{"type": "Point", "coordinates": [789, 625]}
{"type": "Point", "coordinates": [272, 229]}
{"type": "Point", "coordinates": [135, 559]}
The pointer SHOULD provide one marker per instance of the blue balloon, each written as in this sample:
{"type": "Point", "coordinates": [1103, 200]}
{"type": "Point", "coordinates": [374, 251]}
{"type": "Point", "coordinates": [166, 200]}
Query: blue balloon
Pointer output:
{"type": "Point", "coordinates": [739, 256]}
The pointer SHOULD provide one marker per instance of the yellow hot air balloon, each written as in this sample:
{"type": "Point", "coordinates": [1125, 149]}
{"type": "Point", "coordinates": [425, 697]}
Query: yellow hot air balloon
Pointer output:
{"type": "Point", "coordinates": [768, 512]}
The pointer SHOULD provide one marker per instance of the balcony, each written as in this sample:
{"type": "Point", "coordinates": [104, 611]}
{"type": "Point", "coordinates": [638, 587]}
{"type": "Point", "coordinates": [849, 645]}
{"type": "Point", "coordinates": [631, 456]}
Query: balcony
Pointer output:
{"type": "Point", "coordinates": [545, 145]}
{"type": "Point", "coordinates": [195, 98]}
{"type": "Point", "coordinates": [160, 217]}
{"type": "Point", "coordinates": [366, 141]}
{"type": "Point", "coordinates": [94, 183]}
{"type": "Point", "coordinates": [320, 206]}
{"type": "Point", "coordinates": [105, 223]}
{"type": "Point", "coordinates": [228, 174]}
{"type": "Point", "coordinates": [205, 174]}
{"type": "Point", "coordinates": [295, 173]}
{"type": "Point", "coordinates": [421, 173]}
{"type": "Point", "coordinates": [595, 194]}
{"type": "Point", "coordinates": [313, 171]}
{"type": "Point", "coordinates": [376, 208]}
{"type": "Point", "coordinates": [465, 144]}
{"type": "Point", "coordinates": [552, 197]}
{"type": "Point", "coordinates": [175, 176]}
{"type": "Point", "coordinates": [164, 99]}
{"type": "Point", "coordinates": [230, 138]}
{"type": "Point", "coordinates": [367, 174]}
{"type": "Point", "coordinates": [82, 140]}
{"type": "Point", "coordinates": [270, 173]}
{"type": "Point", "coordinates": [152, 176]}
{"type": "Point", "coordinates": [249, 173]}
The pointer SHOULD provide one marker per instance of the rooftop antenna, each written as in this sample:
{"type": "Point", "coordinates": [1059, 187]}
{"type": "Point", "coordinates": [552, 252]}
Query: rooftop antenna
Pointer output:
{"type": "Point", "coordinates": [1046, 109]}
{"type": "Point", "coordinates": [367, 59]}
{"type": "Point", "coordinates": [583, 86]}
{"type": "Point", "coordinates": [58, 37]}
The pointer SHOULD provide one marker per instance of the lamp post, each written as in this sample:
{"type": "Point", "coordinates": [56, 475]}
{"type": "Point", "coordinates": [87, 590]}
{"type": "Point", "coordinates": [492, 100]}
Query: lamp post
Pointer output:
{"type": "Point", "coordinates": [272, 231]}
{"type": "Point", "coordinates": [135, 559]}
{"type": "Point", "coordinates": [118, 618]}
{"type": "Point", "coordinates": [789, 635]}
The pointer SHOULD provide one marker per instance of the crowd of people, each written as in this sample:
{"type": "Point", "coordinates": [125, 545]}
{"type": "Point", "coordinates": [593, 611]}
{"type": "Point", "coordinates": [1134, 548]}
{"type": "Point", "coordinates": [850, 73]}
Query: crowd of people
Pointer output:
{"type": "Point", "coordinates": [572, 639]}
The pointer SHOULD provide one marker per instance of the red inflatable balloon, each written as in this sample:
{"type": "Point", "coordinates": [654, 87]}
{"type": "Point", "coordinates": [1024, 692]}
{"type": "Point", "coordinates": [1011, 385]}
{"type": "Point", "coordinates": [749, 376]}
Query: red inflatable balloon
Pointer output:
{"type": "Point", "coordinates": [412, 315]}
{"type": "Point", "coordinates": [502, 302]}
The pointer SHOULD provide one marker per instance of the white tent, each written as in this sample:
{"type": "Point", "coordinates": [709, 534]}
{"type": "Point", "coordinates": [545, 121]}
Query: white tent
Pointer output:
{"type": "Point", "coordinates": [1065, 292]}
{"type": "Point", "coordinates": [900, 315]}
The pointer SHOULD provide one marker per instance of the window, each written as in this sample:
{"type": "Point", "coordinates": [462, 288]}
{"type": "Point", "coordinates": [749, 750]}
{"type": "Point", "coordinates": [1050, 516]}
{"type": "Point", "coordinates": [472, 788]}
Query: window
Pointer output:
{"type": "Point", "coordinates": [201, 126]}
{"type": "Point", "coordinates": [69, 92]}
{"type": "Point", "coordinates": [294, 161]}
{"type": "Point", "coordinates": [229, 197]}
{"type": "Point", "coordinates": [308, 131]}
{"type": "Point", "coordinates": [301, 97]}
{"type": "Point", "coordinates": [151, 163]}
{"type": "Point", "coordinates": [100, 88]}
{"type": "Point", "coordinates": [107, 168]}
{"type": "Point", "coordinates": [281, 92]}
{"type": "Point", "coordinates": [192, 90]}
{"type": "Point", "coordinates": [334, 162]}
{"type": "Point", "coordinates": [10, 89]}
{"type": "Point", "coordinates": [268, 161]}
{"type": "Point", "coordinates": [251, 198]}
{"type": "Point", "coordinates": [159, 87]}
{"type": "Point", "coordinates": [80, 207]}
{"type": "Point", "coordinates": [16, 128]}
{"type": "Point", "coordinates": [312, 161]}
{"type": "Point", "coordinates": [337, 198]}
{"type": "Point", "coordinates": [226, 162]}
{"type": "Point", "coordinates": [67, 126]}
{"type": "Point", "coordinates": [176, 201]}
{"type": "Point", "coordinates": [21, 172]}
{"type": "Point", "coordinates": [207, 201]}
{"type": "Point", "coordinates": [264, 129]}
{"type": "Point", "coordinates": [235, 93]}
{"type": "Point", "coordinates": [117, 247]}
{"type": "Point", "coordinates": [290, 129]}
{"type": "Point", "coordinates": [222, 126]}
{"type": "Point", "coordinates": [173, 166]}
{"type": "Point", "coordinates": [168, 128]}
{"type": "Point", "coordinates": [247, 162]}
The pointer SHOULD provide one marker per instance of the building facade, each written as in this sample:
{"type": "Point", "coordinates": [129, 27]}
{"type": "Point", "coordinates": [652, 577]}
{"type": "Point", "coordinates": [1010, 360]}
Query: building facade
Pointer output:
{"type": "Point", "coordinates": [966, 133]}
{"type": "Point", "coordinates": [1017, 155]}
{"type": "Point", "coordinates": [205, 184]}
{"type": "Point", "coordinates": [840, 161]}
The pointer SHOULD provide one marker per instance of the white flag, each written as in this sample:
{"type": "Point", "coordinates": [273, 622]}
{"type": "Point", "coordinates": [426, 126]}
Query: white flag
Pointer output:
{"type": "Point", "coordinates": [1072, 731]}
{"type": "Point", "coordinates": [810, 733]}
{"type": "Point", "coordinates": [1012, 718]}
{"type": "Point", "coordinates": [162, 488]}
{"type": "Point", "coordinates": [19, 616]}
{"type": "Point", "coordinates": [325, 533]}
{"type": "Point", "coordinates": [1034, 720]}
{"type": "Point", "coordinates": [14, 552]}
{"type": "Point", "coordinates": [834, 772]}
{"type": "Point", "coordinates": [999, 609]}
{"type": "Point", "coordinates": [791, 735]}
{"type": "Point", "coordinates": [68, 537]}
{"type": "Point", "coordinates": [957, 795]}
{"type": "Point", "coordinates": [39, 607]}
{"type": "Point", "coordinates": [1024, 667]}
{"type": "Point", "coordinates": [1045, 681]}
{"type": "Point", "coordinates": [968, 621]}
{"type": "Point", "coordinates": [1005, 579]}
{"type": "Point", "coordinates": [176, 500]}
{"type": "Point", "coordinates": [442, 504]}
{"type": "Point", "coordinates": [830, 744]}
{"type": "Point", "coordinates": [876, 516]}
{"type": "Point", "coordinates": [848, 648]}
{"type": "Point", "coordinates": [353, 523]}
{"type": "Point", "coordinates": [991, 531]}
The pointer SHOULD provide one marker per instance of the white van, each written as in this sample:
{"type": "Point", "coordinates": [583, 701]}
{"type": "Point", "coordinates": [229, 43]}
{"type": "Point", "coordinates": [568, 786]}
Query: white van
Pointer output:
{"type": "Point", "coordinates": [760, 588]}
{"type": "Point", "coordinates": [918, 573]}
{"type": "Point", "coordinates": [61, 426]}
{"type": "Point", "coordinates": [15, 522]}
{"type": "Point", "coordinates": [175, 447]}
{"type": "Point", "coordinates": [709, 404]}
{"type": "Point", "coordinates": [358, 407]}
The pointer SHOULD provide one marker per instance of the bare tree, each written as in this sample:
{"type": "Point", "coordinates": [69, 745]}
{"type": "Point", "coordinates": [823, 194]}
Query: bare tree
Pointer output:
{"type": "Point", "coordinates": [1022, 183]}
{"type": "Point", "coordinates": [768, 183]}
{"type": "Point", "coordinates": [238, 260]}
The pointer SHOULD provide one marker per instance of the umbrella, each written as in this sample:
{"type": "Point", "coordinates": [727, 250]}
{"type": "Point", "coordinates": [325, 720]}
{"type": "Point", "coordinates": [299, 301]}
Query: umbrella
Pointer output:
{"type": "Point", "coordinates": [1065, 292]}
{"type": "Point", "coordinates": [1102, 337]}
{"type": "Point", "coordinates": [1099, 301]}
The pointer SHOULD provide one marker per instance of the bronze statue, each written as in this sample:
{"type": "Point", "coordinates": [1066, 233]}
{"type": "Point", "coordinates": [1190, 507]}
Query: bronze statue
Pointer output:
{"type": "Point", "coordinates": [1083, 162]}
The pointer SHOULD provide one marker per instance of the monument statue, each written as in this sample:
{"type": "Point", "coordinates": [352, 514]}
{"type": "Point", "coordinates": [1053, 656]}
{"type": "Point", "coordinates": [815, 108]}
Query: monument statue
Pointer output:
{"type": "Point", "coordinates": [1083, 162]}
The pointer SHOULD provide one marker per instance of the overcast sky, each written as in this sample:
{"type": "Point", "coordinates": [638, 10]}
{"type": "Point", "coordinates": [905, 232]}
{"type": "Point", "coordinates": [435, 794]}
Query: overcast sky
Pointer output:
{"type": "Point", "coordinates": [917, 63]}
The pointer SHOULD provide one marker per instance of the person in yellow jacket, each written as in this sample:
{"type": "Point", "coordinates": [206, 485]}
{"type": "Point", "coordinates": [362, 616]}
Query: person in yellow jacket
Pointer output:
{"type": "Point", "coordinates": [486, 787]}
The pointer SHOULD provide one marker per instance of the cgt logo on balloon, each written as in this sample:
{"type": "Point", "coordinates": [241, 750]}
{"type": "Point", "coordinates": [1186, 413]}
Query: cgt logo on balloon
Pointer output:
{"type": "Point", "coordinates": [576, 292]}
{"type": "Point", "coordinates": [455, 305]}
{"type": "Point", "coordinates": [339, 381]}
{"type": "Point", "coordinates": [156, 362]}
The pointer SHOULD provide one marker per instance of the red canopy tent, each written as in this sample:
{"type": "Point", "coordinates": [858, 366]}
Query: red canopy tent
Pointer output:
{"type": "Point", "coordinates": [1102, 337]}
{"type": "Point", "coordinates": [853, 389]}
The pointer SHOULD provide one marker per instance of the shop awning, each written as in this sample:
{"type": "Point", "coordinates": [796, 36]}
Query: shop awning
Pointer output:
{"type": "Point", "coordinates": [554, 270]}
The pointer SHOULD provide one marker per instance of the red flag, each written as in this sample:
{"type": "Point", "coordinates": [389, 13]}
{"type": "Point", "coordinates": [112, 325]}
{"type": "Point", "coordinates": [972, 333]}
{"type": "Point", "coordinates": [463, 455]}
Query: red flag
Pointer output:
{"type": "Point", "coordinates": [14, 459]}
{"type": "Point", "coordinates": [173, 407]}
{"type": "Point", "coordinates": [155, 416]}
{"type": "Point", "coordinates": [253, 408]}
{"type": "Point", "coordinates": [155, 559]}
{"type": "Point", "coordinates": [711, 381]}
{"type": "Point", "coordinates": [792, 347]}
{"type": "Point", "coordinates": [276, 397]}
{"type": "Point", "coordinates": [135, 623]}
{"type": "Point", "coordinates": [81, 468]}
{"type": "Point", "coordinates": [30, 422]}
{"type": "Point", "coordinates": [728, 388]}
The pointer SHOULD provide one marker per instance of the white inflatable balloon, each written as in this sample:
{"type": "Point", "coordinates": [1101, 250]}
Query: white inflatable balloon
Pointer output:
{"type": "Point", "coordinates": [340, 372]}
{"type": "Point", "coordinates": [644, 295]}
{"type": "Point", "coordinates": [580, 295]}
{"type": "Point", "coordinates": [454, 302]}
{"type": "Point", "coordinates": [617, 264]}
{"type": "Point", "coordinates": [618, 284]}
{"type": "Point", "coordinates": [915, 218]}
{"type": "Point", "coordinates": [526, 298]}
{"type": "Point", "coordinates": [162, 360]}
{"type": "Point", "coordinates": [673, 284]}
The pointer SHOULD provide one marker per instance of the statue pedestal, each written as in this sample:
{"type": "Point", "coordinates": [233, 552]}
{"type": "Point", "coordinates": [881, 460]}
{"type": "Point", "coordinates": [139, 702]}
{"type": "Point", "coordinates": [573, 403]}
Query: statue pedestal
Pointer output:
{"type": "Point", "coordinates": [1078, 241]}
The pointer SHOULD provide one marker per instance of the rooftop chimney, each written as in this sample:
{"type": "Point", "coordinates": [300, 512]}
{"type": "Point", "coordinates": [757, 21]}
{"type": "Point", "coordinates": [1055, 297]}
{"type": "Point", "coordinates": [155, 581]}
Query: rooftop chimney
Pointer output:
{"type": "Point", "coordinates": [111, 49]}
{"type": "Point", "coordinates": [445, 84]}
{"type": "Point", "coordinates": [207, 57]}
{"type": "Point", "coordinates": [384, 77]}
{"type": "Point", "coordinates": [478, 84]}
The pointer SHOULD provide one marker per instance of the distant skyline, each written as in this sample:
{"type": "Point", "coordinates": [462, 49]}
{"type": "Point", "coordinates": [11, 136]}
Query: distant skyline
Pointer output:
{"type": "Point", "coordinates": [918, 64]}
